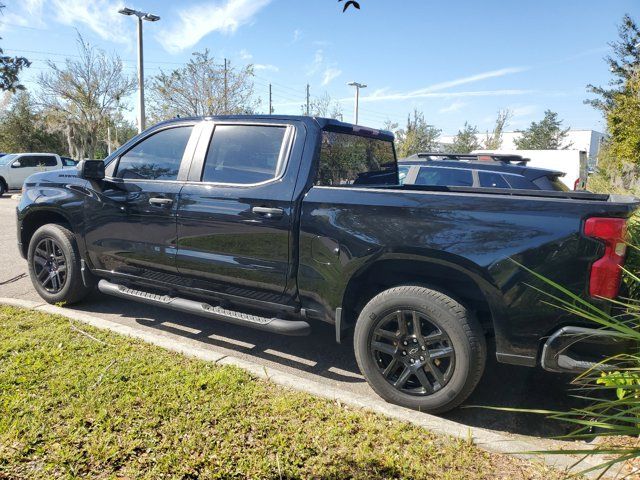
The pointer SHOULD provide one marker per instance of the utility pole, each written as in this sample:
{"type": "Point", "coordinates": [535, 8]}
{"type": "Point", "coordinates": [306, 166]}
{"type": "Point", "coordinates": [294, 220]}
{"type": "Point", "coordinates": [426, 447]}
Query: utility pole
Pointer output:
{"type": "Point", "coordinates": [150, 17]}
{"type": "Point", "coordinates": [307, 99]}
{"type": "Point", "coordinates": [108, 138]}
{"type": "Point", "coordinates": [357, 100]}
{"type": "Point", "coordinates": [226, 101]}
{"type": "Point", "coordinates": [270, 101]}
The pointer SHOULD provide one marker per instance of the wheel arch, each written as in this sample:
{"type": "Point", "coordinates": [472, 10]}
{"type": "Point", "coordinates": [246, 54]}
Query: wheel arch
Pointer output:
{"type": "Point", "coordinates": [36, 219]}
{"type": "Point", "coordinates": [467, 285]}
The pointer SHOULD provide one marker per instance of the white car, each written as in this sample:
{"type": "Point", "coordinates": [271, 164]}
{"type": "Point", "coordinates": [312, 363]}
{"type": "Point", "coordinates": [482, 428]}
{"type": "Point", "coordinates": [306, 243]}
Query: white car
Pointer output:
{"type": "Point", "coordinates": [16, 167]}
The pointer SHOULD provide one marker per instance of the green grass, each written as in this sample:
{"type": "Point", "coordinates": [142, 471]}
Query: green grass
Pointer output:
{"type": "Point", "coordinates": [72, 406]}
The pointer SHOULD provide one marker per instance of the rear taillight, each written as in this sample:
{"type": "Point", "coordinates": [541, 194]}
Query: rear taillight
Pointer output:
{"type": "Point", "coordinates": [606, 272]}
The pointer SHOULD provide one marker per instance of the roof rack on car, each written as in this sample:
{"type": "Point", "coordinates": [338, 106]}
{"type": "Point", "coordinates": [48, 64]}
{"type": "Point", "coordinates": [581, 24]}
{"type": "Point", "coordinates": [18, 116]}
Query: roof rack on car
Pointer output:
{"type": "Point", "coordinates": [474, 157]}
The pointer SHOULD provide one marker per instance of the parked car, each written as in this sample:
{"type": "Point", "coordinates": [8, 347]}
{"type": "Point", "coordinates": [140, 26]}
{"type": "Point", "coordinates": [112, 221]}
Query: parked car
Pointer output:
{"type": "Point", "coordinates": [573, 163]}
{"type": "Point", "coordinates": [477, 170]}
{"type": "Point", "coordinates": [16, 167]}
{"type": "Point", "coordinates": [282, 222]}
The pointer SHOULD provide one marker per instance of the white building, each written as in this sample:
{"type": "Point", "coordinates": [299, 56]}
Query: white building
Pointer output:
{"type": "Point", "coordinates": [586, 140]}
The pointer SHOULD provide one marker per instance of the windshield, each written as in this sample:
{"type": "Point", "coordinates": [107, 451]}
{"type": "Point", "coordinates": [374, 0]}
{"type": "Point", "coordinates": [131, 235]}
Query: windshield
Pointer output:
{"type": "Point", "coordinates": [6, 159]}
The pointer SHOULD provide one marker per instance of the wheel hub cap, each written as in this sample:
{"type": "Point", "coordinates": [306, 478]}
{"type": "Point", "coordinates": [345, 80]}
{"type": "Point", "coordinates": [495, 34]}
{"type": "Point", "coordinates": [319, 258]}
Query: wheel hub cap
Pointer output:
{"type": "Point", "coordinates": [50, 265]}
{"type": "Point", "coordinates": [412, 352]}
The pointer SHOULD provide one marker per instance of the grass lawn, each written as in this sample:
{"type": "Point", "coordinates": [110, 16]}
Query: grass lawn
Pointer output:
{"type": "Point", "coordinates": [99, 405]}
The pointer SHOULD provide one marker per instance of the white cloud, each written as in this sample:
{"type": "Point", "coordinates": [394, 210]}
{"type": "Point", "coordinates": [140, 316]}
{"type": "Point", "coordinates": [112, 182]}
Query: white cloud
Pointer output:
{"type": "Point", "coordinates": [523, 110]}
{"type": "Point", "coordinates": [329, 75]}
{"type": "Point", "coordinates": [267, 67]}
{"type": "Point", "coordinates": [473, 78]}
{"type": "Point", "coordinates": [197, 21]}
{"type": "Point", "coordinates": [421, 94]}
{"type": "Point", "coordinates": [297, 33]}
{"type": "Point", "coordinates": [454, 107]}
{"type": "Point", "coordinates": [101, 16]}
{"type": "Point", "coordinates": [245, 55]}
{"type": "Point", "coordinates": [434, 91]}
{"type": "Point", "coordinates": [27, 13]}
{"type": "Point", "coordinates": [316, 64]}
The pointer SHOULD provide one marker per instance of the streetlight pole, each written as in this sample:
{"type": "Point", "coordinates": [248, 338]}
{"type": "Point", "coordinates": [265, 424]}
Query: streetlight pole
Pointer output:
{"type": "Point", "coordinates": [150, 17]}
{"type": "Point", "coordinates": [357, 101]}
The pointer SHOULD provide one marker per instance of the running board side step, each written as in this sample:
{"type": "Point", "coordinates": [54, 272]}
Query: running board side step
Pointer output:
{"type": "Point", "coordinates": [296, 328]}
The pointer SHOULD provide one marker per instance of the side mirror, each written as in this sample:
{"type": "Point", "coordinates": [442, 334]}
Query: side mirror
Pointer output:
{"type": "Point", "coordinates": [16, 164]}
{"type": "Point", "coordinates": [91, 169]}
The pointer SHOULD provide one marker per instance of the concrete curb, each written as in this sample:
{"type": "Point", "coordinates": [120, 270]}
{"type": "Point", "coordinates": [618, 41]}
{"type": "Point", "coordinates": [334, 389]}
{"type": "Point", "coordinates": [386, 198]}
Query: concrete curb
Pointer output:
{"type": "Point", "coordinates": [492, 441]}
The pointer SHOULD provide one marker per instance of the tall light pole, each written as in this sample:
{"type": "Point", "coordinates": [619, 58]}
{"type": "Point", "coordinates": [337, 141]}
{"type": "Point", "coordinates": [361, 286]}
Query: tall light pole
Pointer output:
{"type": "Point", "coordinates": [355, 109]}
{"type": "Point", "coordinates": [150, 17]}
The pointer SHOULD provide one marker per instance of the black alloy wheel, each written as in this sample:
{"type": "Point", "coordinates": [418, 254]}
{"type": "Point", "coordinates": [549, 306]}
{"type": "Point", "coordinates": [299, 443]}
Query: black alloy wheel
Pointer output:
{"type": "Point", "coordinates": [50, 265]}
{"type": "Point", "coordinates": [412, 352]}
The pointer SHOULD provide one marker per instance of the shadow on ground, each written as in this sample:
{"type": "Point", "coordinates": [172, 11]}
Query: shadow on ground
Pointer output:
{"type": "Point", "coordinates": [318, 356]}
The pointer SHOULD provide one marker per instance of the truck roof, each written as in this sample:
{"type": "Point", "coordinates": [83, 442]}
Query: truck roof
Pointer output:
{"type": "Point", "coordinates": [321, 122]}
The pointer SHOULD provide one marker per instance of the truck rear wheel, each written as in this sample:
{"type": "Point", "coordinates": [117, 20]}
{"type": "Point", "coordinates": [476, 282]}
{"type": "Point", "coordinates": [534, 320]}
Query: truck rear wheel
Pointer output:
{"type": "Point", "coordinates": [54, 265]}
{"type": "Point", "coordinates": [419, 348]}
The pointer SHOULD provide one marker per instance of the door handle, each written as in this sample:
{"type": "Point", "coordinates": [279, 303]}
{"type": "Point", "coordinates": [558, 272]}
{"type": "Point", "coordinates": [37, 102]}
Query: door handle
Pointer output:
{"type": "Point", "coordinates": [160, 201]}
{"type": "Point", "coordinates": [268, 212]}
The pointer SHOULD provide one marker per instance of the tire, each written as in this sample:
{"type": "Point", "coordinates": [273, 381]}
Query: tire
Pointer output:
{"type": "Point", "coordinates": [54, 265]}
{"type": "Point", "coordinates": [3, 187]}
{"type": "Point", "coordinates": [447, 332]}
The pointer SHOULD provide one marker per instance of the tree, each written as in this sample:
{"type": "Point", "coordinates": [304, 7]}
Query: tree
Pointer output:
{"type": "Point", "coordinates": [623, 122]}
{"type": "Point", "coordinates": [10, 68]}
{"type": "Point", "coordinates": [623, 62]}
{"type": "Point", "coordinates": [202, 87]}
{"type": "Point", "coordinates": [547, 134]}
{"type": "Point", "coordinates": [466, 140]}
{"type": "Point", "coordinates": [325, 106]}
{"type": "Point", "coordinates": [80, 96]}
{"type": "Point", "coordinates": [418, 136]}
{"type": "Point", "coordinates": [22, 129]}
{"type": "Point", "coordinates": [619, 158]}
{"type": "Point", "coordinates": [390, 126]}
{"type": "Point", "coordinates": [494, 141]}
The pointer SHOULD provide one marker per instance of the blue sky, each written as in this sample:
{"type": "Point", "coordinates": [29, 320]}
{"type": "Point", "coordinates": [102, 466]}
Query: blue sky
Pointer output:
{"type": "Point", "coordinates": [455, 61]}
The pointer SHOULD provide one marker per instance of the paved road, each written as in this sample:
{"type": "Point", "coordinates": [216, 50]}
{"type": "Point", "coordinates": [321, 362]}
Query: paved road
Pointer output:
{"type": "Point", "coordinates": [317, 357]}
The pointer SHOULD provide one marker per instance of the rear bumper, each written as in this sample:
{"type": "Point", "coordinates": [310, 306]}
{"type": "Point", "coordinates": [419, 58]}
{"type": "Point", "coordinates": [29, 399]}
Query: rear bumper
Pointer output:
{"type": "Point", "coordinates": [577, 349]}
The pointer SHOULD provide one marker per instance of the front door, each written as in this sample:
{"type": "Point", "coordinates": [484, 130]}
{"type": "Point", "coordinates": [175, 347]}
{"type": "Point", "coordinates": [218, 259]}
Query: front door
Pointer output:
{"type": "Point", "coordinates": [131, 222]}
{"type": "Point", "coordinates": [235, 213]}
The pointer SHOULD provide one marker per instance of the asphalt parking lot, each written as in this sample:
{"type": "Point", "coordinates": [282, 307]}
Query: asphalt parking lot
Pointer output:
{"type": "Point", "coordinates": [316, 357]}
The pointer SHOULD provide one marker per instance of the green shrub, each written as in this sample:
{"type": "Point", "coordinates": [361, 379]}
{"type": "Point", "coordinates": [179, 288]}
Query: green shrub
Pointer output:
{"type": "Point", "coordinates": [613, 388]}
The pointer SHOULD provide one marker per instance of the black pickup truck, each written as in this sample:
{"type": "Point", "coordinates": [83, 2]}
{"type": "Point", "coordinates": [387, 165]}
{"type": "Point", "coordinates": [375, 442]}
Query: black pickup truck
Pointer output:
{"type": "Point", "coordinates": [279, 222]}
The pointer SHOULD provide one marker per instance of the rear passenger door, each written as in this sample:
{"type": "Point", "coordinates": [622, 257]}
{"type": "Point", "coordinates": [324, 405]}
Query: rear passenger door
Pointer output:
{"type": "Point", "coordinates": [236, 213]}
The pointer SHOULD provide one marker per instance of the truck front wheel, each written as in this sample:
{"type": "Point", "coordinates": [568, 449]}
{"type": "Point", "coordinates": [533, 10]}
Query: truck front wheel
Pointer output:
{"type": "Point", "coordinates": [419, 348]}
{"type": "Point", "coordinates": [54, 265]}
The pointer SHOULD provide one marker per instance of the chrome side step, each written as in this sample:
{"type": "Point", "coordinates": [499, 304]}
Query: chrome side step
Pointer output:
{"type": "Point", "coordinates": [276, 325]}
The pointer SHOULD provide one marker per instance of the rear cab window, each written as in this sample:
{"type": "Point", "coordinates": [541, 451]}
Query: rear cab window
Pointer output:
{"type": "Point", "coordinates": [351, 159]}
